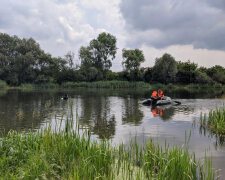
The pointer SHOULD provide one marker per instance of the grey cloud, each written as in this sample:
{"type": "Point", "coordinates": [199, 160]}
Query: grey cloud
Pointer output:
{"type": "Point", "coordinates": [179, 22]}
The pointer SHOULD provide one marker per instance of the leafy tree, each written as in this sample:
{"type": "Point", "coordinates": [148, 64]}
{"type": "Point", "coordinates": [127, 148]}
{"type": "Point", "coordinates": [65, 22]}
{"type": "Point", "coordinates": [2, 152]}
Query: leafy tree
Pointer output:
{"type": "Point", "coordinates": [99, 53]}
{"type": "Point", "coordinates": [70, 59]}
{"type": "Point", "coordinates": [202, 78]}
{"type": "Point", "coordinates": [186, 72]}
{"type": "Point", "coordinates": [148, 75]}
{"type": "Point", "coordinates": [217, 73]}
{"type": "Point", "coordinates": [165, 69]}
{"type": "Point", "coordinates": [132, 61]}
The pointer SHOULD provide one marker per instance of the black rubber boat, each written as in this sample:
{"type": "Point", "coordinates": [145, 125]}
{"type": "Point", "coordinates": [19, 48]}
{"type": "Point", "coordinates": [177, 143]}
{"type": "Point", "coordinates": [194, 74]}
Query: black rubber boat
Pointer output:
{"type": "Point", "coordinates": [165, 101]}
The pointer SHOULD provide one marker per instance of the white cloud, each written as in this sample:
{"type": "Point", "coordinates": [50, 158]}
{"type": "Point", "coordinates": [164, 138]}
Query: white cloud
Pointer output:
{"type": "Point", "coordinates": [202, 57]}
{"type": "Point", "coordinates": [65, 25]}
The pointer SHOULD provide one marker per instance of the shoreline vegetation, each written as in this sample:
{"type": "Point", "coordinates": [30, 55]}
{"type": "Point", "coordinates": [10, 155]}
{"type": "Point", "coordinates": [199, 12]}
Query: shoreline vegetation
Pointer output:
{"type": "Point", "coordinates": [70, 153]}
{"type": "Point", "coordinates": [23, 63]}
{"type": "Point", "coordinates": [113, 85]}
{"type": "Point", "coordinates": [214, 123]}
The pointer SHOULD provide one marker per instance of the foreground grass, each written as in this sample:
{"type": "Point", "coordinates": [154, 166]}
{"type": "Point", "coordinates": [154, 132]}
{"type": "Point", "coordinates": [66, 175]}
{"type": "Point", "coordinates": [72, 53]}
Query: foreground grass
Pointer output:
{"type": "Point", "coordinates": [215, 122]}
{"type": "Point", "coordinates": [69, 155]}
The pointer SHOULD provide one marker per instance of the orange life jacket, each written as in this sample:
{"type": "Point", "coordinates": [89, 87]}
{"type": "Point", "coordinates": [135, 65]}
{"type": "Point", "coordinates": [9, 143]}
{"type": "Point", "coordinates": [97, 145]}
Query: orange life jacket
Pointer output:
{"type": "Point", "coordinates": [155, 94]}
{"type": "Point", "coordinates": [160, 93]}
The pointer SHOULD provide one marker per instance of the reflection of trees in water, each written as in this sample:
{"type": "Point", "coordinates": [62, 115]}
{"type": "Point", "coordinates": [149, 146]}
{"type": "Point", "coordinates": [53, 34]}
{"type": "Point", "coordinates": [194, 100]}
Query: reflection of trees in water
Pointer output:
{"type": "Point", "coordinates": [220, 140]}
{"type": "Point", "coordinates": [96, 113]}
{"type": "Point", "coordinates": [24, 110]}
{"type": "Point", "coordinates": [196, 93]}
{"type": "Point", "coordinates": [131, 112]}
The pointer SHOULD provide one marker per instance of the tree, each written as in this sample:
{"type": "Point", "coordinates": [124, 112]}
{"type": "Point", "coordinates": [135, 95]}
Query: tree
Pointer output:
{"type": "Point", "coordinates": [70, 59]}
{"type": "Point", "coordinates": [132, 61]}
{"type": "Point", "coordinates": [186, 72]}
{"type": "Point", "coordinates": [165, 69]}
{"type": "Point", "coordinates": [202, 78]}
{"type": "Point", "coordinates": [99, 53]}
{"type": "Point", "coordinates": [217, 73]}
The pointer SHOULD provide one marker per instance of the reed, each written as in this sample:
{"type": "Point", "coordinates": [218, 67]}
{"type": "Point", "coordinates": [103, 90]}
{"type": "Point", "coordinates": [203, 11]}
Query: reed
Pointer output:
{"type": "Point", "coordinates": [215, 122]}
{"type": "Point", "coordinates": [3, 84]}
{"type": "Point", "coordinates": [106, 84]}
{"type": "Point", "coordinates": [70, 153]}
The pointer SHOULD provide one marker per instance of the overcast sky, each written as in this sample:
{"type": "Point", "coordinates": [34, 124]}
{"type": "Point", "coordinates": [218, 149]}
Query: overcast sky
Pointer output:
{"type": "Point", "coordinates": [187, 29]}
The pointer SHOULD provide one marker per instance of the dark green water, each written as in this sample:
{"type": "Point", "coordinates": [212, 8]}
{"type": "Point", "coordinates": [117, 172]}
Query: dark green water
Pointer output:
{"type": "Point", "coordinates": [118, 115]}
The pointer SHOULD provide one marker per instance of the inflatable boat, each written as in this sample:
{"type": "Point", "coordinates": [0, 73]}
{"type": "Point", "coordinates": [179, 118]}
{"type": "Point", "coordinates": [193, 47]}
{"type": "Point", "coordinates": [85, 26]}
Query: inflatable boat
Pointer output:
{"type": "Point", "coordinates": [165, 101]}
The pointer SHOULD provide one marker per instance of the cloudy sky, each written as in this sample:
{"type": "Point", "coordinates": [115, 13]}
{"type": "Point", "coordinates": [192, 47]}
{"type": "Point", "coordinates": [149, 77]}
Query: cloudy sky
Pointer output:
{"type": "Point", "coordinates": [193, 29]}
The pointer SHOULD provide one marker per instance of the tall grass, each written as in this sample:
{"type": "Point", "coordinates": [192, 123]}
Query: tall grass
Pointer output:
{"type": "Point", "coordinates": [3, 84]}
{"type": "Point", "coordinates": [106, 84]}
{"type": "Point", "coordinates": [70, 154]}
{"type": "Point", "coordinates": [215, 122]}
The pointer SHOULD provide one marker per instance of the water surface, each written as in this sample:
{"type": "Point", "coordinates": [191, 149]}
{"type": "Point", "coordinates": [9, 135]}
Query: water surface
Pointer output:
{"type": "Point", "coordinates": [119, 116]}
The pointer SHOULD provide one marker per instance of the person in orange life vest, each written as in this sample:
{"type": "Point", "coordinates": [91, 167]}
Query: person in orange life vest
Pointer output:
{"type": "Point", "coordinates": [154, 95]}
{"type": "Point", "coordinates": [160, 94]}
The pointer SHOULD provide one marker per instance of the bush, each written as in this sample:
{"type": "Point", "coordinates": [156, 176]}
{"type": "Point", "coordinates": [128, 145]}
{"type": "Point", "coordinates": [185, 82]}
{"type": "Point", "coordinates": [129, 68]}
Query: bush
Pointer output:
{"type": "Point", "coordinates": [2, 84]}
{"type": "Point", "coordinates": [202, 78]}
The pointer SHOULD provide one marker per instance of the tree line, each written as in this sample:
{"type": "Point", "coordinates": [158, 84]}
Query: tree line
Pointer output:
{"type": "Point", "coordinates": [23, 61]}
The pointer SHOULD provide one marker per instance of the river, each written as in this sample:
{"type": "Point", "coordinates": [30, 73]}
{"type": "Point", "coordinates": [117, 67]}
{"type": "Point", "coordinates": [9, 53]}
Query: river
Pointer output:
{"type": "Point", "coordinates": [119, 116]}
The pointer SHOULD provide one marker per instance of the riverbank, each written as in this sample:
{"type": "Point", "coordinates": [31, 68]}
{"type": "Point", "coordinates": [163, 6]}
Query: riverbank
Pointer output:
{"type": "Point", "coordinates": [70, 155]}
{"type": "Point", "coordinates": [114, 85]}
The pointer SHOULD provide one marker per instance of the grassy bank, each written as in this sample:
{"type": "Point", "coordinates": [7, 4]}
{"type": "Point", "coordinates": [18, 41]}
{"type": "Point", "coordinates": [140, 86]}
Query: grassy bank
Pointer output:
{"type": "Point", "coordinates": [115, 85]}
{"type": "Point", "coordinates": [3, 84]}
{"type": "Point", "coordinates": [214, 122]}
{"type": "Point", "coordinates": [68, 154]}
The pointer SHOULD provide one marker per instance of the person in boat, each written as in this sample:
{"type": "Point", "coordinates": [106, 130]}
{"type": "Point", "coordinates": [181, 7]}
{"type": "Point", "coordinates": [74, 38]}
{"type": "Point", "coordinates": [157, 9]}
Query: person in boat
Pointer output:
{"type": "Point", "coordinates": [160, 94]}
{"type": "Point", "coordinates": [155, 97]}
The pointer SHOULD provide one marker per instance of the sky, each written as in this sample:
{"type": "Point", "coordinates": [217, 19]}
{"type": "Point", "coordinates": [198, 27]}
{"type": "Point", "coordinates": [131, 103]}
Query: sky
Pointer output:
{"type": "Point", "coordinates": [188, 30]}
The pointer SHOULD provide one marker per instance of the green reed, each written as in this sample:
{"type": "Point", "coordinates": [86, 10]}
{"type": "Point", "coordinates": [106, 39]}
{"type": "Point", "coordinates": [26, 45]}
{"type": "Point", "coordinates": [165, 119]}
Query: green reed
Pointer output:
{"type": "Point", "coordinates": [72, 153]}
{"type": "Point", "coordinates": [215, 122]}
{"type": "Point", "coordinates": [3, 84]}
{"type": "Point", "coordinates": [106, 84]}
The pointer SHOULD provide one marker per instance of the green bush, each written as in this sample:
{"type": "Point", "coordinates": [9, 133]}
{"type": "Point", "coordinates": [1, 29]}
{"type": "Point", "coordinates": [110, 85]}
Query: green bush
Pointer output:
{"type": "Point", "coordinates": [2, 84]}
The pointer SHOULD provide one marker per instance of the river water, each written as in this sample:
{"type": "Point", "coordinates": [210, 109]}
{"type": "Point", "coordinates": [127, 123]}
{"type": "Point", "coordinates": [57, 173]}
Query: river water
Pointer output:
{"type": "Point", "coordinates": [119, 116]}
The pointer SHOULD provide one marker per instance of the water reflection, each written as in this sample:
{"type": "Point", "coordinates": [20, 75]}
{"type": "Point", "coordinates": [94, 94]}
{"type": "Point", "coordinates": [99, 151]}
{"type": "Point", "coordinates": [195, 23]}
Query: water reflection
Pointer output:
{"type": "Point", "coordinates": [20, 111]}
{"type": "Point", "coordinates": [96, 113]}
{"type": "Point", "coordinates": [219, 139]}
{"type": "Point", "coordinates": [131, 112]}
{"type": "Point", "coordinates": [164, 112]}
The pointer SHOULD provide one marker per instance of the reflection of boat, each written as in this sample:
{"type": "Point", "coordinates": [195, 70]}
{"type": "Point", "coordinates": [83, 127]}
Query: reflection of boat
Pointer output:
{"type": "Point", "coordinates": [165, 101]}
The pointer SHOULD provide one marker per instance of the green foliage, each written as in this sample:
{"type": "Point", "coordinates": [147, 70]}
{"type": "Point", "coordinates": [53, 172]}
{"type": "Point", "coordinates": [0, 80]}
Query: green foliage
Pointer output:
{"type": "Point", "coordinates": [111, 76]}
{"type": "Point", "coordinates": [165, 69]}
{"type": "Point", "coordinates": [22, 61]}
{"type": "Point", "coordinates": [214, 124]}
{"type": "Point", "coordinates": [202, 78]}
{"type": "Point", "coordinates": [106, 84]}
{"type": "Point", "coordinates": [99, 54]}
{"type": "Point", "coordinates": [132, 60]}
{"type": "Point", "coordinates": [186, 72]}
{"type": "Point", "coordinates": [2, 84]}
{"type": "Point", "coordinates": [67, 154]}
{"type": "Point", "coordinates": [217, 73]}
